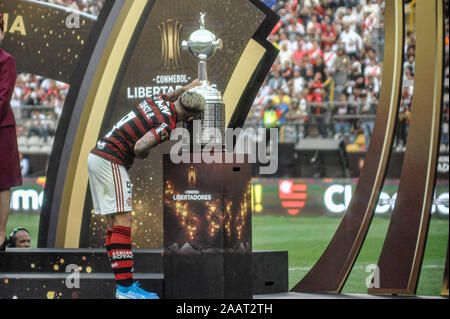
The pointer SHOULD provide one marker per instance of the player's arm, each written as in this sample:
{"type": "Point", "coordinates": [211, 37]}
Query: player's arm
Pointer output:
{"type": "Point", "coordinates": [144, 144]}
{"type": "Point", "coordinates": [174, 95]}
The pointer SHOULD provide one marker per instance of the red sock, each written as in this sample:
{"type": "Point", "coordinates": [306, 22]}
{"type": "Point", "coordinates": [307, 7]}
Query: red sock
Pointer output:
{"type": "Point", "coordinates": [121, 255]}
{"type": "Point", "coordinates": [108, 242]}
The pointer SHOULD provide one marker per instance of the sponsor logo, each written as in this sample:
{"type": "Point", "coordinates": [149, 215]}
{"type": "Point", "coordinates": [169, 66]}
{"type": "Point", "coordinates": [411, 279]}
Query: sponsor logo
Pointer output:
{"type": "Point", "coordinates": [193, 197]}
{"type": "Point", "coordinates": [146, 109]}
{"type": "Point", "coordinates": [292, 196]}
{"type": "Point", "coordinates": [170, 44]}
{"type": "Point", "coordinates": [122, 254]}
{"type": "Point", "coordinates": [337, 198]}
{"type": "Point", "coordinates": [161, 128]}
{"type": "Point", "coordinates": [162, 105]}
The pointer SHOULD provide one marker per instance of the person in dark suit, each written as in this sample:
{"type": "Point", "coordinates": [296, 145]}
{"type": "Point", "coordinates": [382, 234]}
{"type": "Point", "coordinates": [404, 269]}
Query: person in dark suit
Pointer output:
{"type": "Point", "coordinates": [10, 174]}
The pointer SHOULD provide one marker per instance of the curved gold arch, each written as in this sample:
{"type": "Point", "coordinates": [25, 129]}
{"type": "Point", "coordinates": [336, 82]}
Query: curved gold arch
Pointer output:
{"type": "Point", "coordinates": [90, 123]}
{"type": "Point", "coordinates": [328, 275]}
{"type": "Point", "coordinates": [402, 254]}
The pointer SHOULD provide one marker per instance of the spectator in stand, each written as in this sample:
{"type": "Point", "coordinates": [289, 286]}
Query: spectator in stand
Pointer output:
{"type": "Point", "coordinates": [367, 123]}
{"type": "Point", "coordinates": [297, 82]}
{"type": "Point", "coordinates": [287, 71]}
{"type": "Point", "coordinates": [270, 117]}
{"type": "Point", "coordinates": [352, 42]}
{"type": "Point", "coordinates": [341, 67]}
{"type": "Point", "coordinates": [298, 54]}
{"type": "Point", "coordinates": [294, 121]}
{"type": "Point", "coordinates": [410, 63]}
{"type": "Point", "coordinates": [315, 53]}
{"type": "Point", "coordinates": [284, 39]}
{"type": "Point", "coordinates": [373, 86]}
{"type": "Point", "coordinates": [408, 79]}
{"type": "Point", "coordinates": [315, 86]}
{"type": "Point", "coordinates": [285, 55]}
{"type": "Point", "coordinates": [321, 68]}
{"type": "Point", "coordinates": [349, 19]}
{"type": "Point", "coordinates": [403, 120]}
{"type": "Point", "coordinates": [328, 35]}
{"type": "Point", "coordinates": [321, 110]}
{"type": "Point", "coordinates": [38, 126]}
{"type": "Point", "coordinates": [316, 96]}
{"type": "Point", "coordinates": [342, 125]}
{"type": "Point", "coordinates": [281, 102]}
{"type": "Point", "coordinates": [374, 71]}
{"type": "Point", "coordinates": [356, 79]}
{"type": "Point", "coordinates": [329, 58]}
{"type": "Point", "coordinates": [50, 123]}
{"type": "Point", "coordinates": [309, 74]}
{"type": "Point", "coordinates": [295, 113]}
{"type": "Point", "coordinates": [277, 82]}
{"type": "Point", "coordinates": [313, 25]}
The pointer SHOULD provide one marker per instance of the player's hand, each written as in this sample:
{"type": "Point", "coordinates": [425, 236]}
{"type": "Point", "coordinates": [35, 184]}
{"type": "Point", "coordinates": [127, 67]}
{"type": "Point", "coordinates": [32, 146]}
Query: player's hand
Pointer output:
{"type": "Point", "coordinates": [193, 84]}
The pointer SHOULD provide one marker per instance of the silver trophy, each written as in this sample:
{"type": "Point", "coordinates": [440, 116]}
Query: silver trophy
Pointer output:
{"type": "Point", "coordinates": [203, 45]}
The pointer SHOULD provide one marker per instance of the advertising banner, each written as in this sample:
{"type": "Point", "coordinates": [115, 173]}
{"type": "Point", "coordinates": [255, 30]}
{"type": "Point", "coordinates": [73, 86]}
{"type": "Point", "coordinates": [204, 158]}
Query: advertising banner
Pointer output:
{"type": "Point", "coordinates": [295, 197]}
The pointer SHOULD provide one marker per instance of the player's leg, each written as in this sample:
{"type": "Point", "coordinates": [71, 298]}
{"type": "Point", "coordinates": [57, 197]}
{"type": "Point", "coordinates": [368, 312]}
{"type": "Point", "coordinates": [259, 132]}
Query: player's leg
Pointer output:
{"type": "Point", "coordinates": [109, 221]}
{"type": "Point", "coordinates": [111, 194]}
{"type": "Point", "coordinates": [120, 245]}
{"type": "Point", "coordinates": [5, 196]}
{"type": "Point", "coordinates": [122, 260]}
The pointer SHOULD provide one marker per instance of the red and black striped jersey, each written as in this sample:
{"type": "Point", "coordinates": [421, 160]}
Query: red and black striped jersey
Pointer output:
{"type": "Point", "coordinates": [156, 115]}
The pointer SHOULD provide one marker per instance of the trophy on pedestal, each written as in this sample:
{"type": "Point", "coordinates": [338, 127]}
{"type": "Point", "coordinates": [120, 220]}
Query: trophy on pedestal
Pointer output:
{"type": "Point", "coordinates": [207, 206]}
{"type": "Point", "coordinates": [203, 45]}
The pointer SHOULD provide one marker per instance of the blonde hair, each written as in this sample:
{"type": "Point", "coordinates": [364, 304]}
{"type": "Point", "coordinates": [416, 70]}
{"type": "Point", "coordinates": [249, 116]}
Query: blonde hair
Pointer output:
{"type": "Point", "coordinates": [192, 101]}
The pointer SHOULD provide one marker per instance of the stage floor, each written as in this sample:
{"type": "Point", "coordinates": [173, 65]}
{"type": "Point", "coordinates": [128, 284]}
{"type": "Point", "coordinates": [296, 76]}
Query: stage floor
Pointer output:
{"type": "Point", "coordinates": [297, 295]}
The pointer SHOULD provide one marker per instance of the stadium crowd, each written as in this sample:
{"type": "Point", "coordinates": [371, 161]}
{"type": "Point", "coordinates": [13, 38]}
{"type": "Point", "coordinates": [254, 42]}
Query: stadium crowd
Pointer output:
{"type": "Point", "coordinates": [325, 82]}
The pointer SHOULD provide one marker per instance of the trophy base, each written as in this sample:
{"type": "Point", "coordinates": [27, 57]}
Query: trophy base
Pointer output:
{"type": "Point", "coordinates": [207, 230]}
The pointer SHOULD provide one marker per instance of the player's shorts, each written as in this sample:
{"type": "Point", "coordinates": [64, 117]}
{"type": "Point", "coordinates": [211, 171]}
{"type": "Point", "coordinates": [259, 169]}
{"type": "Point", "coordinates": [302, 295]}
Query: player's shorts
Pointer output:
{"type": "Point", "coordinates": [110, 186]}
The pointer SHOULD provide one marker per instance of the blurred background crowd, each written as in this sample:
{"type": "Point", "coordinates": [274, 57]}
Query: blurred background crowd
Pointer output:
{"type": "Point", "coordinates": [325, 83]}
{"type": "Point", "coordinates": [326, 80]}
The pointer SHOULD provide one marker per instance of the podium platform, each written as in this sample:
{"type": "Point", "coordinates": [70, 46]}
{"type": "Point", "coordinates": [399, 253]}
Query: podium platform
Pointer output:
{"type": "Point", "coordinates": [41, 273]}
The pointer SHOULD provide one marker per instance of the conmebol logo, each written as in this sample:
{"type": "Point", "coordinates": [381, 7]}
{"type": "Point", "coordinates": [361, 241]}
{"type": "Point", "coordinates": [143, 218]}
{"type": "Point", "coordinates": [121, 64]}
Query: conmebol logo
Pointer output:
{"type": "Point", "coordinates": [292, 196]}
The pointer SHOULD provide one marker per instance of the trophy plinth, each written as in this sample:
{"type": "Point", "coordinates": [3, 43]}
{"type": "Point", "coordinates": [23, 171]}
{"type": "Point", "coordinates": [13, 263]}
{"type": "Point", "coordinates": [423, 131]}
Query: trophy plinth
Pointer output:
{"type": "Point", "coordinates": [203, 45]}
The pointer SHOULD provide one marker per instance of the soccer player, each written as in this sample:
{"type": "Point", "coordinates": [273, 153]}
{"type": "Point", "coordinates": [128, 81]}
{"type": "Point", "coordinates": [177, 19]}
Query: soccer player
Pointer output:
{"type": "Point", "coordinates": [10, 173]}
{"type": "Point", "coordinates": [147, 125]}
